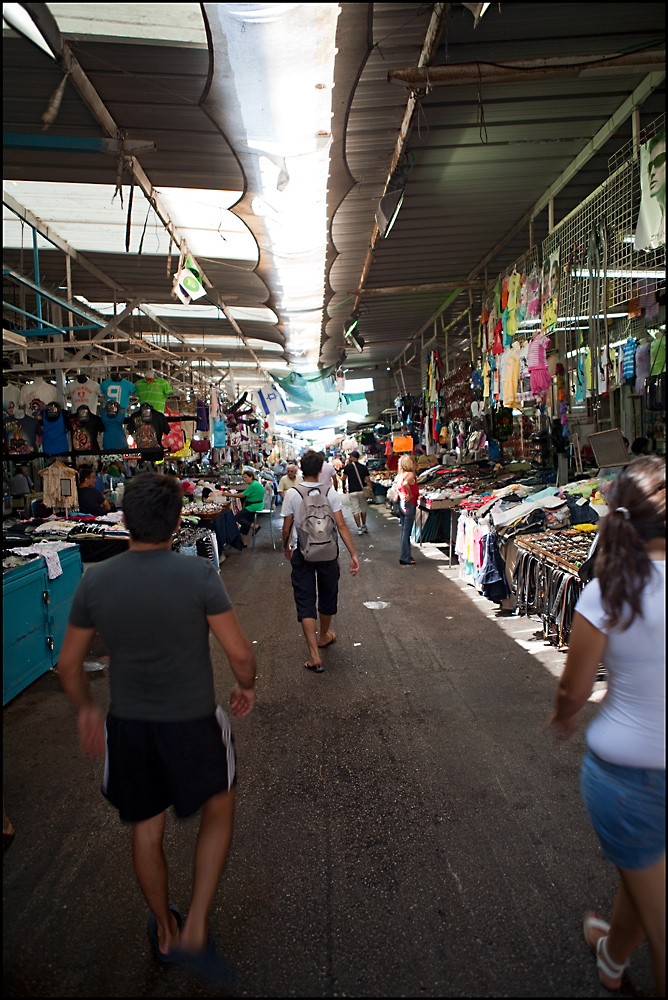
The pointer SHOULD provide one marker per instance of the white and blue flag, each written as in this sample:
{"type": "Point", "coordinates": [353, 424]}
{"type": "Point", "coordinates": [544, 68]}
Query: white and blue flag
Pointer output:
{"type": "Point", "coordinates": [271, 400]}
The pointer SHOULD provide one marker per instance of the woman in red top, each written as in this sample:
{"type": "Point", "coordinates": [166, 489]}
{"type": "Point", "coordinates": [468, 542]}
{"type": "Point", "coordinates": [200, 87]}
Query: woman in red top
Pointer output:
{"type": "Point", "coordinates": [408, 498]}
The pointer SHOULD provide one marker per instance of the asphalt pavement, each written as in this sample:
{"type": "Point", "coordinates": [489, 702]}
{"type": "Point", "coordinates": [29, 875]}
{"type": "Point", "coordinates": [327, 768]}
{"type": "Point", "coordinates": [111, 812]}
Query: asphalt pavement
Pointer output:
{"type": "Point", "coordinates": [403, 828]}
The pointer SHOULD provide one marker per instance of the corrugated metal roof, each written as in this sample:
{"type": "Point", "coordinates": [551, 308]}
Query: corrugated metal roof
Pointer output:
{"type": "Point", "coordinates": [468, 187]}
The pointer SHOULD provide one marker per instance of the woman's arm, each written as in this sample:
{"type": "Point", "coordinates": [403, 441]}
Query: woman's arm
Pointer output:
{"type": "Point", "coordinates": [585, 653]}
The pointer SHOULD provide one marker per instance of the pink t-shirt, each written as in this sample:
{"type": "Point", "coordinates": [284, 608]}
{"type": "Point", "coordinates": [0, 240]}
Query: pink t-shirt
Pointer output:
{"type": "Point", "coordinates": [537, 353]}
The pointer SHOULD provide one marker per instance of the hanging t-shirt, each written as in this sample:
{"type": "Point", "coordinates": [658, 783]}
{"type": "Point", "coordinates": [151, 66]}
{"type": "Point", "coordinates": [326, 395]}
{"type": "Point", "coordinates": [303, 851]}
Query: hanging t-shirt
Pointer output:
{"type": "Point", "coordinates": [86, 434]}
{"type": "Point", "coordinates": [20, 434]}
{"type": "Point", "coordinates": [511, 377]}
{"type": "Point", "coordinates": [202, 416]}
{"type": "Point", "coordinates": [114, 432]}
{"type": "Point", "coordinates": [54, 435]}
{"type": "Point", "coordinates": [629, 362]}
{"type": "Point", "coordinates": [34, 397]}
{"type": "Point", "coordinates": [658, 355]}
{"type": "Point", "coordinates": [148, 437]}
{"type": "Point", "coordinates": [83, 394]}
{"type": "Point", "coordinates": [643, 366]}
{"type": "Point", "coordinates": [514, 283]}
{"type": "Point", "coordinates": [498, 338]}
{"type": "Point", "coordinates": [155, 391]}
{"type": "Point", "coordinates": [10, 399]}
{"type": "Point", "coordinates": [504, 294]}
{"type": "Point", "coordinates": [174, 441]}
{"type": "Point", "coordinates": [119, 392]}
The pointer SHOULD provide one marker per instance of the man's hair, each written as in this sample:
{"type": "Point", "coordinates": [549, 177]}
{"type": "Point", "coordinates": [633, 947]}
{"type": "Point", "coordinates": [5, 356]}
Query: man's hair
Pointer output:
{"type": "Point", "coordinates": [312, 462]}
{"type": "Point", "coordinates": [84, 471]}
{"type": "Point", "coordinates": [152, 507]}
{"type": "Point", "coordinates": [354, 455]}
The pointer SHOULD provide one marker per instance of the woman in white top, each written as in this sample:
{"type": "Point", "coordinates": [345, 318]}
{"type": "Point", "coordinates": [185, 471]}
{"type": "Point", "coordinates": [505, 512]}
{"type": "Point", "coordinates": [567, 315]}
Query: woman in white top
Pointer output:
{"type": "Point", "coordinates": [620, 622]}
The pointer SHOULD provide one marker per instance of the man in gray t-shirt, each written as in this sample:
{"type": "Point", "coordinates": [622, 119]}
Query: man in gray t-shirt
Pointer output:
{"type": "Point", "coordinates": [166, 741]}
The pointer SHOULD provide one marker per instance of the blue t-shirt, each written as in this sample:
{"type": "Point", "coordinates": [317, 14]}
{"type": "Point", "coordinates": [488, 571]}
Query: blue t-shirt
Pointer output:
{"type": "Point", "coordinates": [119, 392]}
{"type": "Point", "coordinates": [54, 436]}
{"type": "Point", "coordinates": [114, 432]}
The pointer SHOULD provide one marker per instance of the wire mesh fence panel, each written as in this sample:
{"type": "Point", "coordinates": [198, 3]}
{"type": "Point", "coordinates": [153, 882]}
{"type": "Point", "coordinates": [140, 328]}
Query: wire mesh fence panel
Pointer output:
{"type": "Point", "coordinates": [524, 264]}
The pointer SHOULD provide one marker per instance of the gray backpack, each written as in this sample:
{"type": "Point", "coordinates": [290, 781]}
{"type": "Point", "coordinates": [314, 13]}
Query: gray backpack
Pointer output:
{"type": "Point", "coordinates": [316, 528]}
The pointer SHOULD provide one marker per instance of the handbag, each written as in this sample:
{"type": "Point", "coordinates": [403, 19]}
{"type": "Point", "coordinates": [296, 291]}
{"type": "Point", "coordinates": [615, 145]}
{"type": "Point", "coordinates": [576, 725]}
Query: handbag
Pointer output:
{"type": "Point", "coordinates": [367, 491]}
{"type": "Point", "coordinates": [393, 492]}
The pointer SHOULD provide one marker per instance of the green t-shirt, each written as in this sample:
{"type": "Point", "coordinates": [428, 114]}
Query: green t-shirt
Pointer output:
{"type": "Point", "coordinates": [254, 494]}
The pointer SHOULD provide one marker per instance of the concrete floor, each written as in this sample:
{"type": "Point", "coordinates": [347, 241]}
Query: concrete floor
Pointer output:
{"type": "Point", "coordinates": [403, 828]}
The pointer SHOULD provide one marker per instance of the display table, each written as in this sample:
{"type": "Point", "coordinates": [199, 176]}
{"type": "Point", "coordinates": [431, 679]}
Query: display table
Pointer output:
{"type": "Point", "coordinates": [35, 611]}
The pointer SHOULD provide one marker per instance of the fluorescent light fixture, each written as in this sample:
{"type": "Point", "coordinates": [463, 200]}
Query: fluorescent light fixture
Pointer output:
{"type": "Point", "coordinates": [18, 18]}
{"type": "Point", "coordinates": [392, 200]}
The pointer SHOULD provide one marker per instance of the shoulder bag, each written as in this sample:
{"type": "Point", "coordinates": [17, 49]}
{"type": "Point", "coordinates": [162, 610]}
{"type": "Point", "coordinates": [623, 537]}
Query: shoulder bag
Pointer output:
{"type": "Point", "coordinates": [367, 491]}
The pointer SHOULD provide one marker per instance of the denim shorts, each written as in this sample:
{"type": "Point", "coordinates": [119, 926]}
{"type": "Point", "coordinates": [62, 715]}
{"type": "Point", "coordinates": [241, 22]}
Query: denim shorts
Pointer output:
{"type": "Point", "coordinates": [627, 808]}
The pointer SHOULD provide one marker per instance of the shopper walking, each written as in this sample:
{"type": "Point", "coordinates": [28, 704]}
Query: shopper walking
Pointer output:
{"type": "Point", "coordinates": [620, 621]}
{"type": "Point", "coordinates": [328, 475]}
{"type": "Point", "coordinates": [315, 583]}
{"type": "Point", "coordinates": [166, 741]}
{"type": "Point", "coordinates": [291, 478]}
{"type": "Point", "coordinates": [356, 478]}
{"type": "Point", "coordinates": [408, 491]}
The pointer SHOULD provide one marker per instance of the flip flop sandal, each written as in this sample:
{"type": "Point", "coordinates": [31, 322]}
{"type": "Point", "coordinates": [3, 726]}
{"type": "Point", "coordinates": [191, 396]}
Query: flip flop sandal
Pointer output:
{"type": "Point", "coordinates": [604, 963]}
{"type": "Point", "coordinates": [165, 957]}
{"type": "Point", "coordinates": [207, 964]}
{"type": "Point", "coordinates": [331, 641]}
{"type": "Point", "coordinates": [315, 668]}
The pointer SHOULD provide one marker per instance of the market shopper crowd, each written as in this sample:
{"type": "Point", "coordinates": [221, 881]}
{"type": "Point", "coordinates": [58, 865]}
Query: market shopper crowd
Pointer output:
{"type": "Point", "coordinates": [167, 742]}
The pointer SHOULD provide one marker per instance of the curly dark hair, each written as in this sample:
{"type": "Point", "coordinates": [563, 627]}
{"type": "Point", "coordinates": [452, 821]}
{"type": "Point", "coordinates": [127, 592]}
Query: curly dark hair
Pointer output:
{"type": "Point", "coordinates": [636, 504]}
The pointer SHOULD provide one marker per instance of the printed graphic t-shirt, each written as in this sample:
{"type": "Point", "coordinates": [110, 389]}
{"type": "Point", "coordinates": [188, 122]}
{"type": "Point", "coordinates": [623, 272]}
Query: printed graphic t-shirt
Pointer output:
{"type": "Point", "coordinates": [119, 392]}
{"type": "Point", "coordinates": [20, 434]}
{"type": "Point", "coordinates": [83, 394]}
{"type": "Point", "coordinates": [34, 397]}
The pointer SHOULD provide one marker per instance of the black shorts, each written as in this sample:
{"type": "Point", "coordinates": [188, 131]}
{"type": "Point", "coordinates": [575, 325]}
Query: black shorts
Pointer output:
{"type": "Point", "coordinates": [153, 765]}
{"type": "Point", "coordinates": [314, 581]}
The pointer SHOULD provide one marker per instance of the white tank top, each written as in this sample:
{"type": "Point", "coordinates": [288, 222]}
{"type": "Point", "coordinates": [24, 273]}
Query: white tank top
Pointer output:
{"type": "Point", "coordinates": [630, 727]}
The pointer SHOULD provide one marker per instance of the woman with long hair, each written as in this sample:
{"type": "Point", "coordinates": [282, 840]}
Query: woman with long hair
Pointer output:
{"type": "Point", "coordinates": [409, 492]}
{"type": "Point", "coordinates": [620, 621]}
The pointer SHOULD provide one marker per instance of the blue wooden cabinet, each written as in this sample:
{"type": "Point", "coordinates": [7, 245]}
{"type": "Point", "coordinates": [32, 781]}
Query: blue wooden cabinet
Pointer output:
{"type": "Point", "coordinates": [35, 613]}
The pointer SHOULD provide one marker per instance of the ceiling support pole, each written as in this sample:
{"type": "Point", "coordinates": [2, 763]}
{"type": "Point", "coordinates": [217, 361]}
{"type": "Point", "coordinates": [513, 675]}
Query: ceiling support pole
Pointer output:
{"type": "Point", "coordinates": [429, 48]}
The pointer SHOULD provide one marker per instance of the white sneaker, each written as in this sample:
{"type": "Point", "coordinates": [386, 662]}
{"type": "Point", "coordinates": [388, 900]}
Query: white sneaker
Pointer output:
{"type": "Point", "coordinates": [360, 531]}
{"type": "Point", "coordinates": [365, 529]}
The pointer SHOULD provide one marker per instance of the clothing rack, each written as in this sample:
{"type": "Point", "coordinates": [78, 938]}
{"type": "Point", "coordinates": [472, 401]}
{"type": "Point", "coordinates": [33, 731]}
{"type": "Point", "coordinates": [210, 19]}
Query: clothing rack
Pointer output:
{"type": "Point", "coordinates": [547, 589]}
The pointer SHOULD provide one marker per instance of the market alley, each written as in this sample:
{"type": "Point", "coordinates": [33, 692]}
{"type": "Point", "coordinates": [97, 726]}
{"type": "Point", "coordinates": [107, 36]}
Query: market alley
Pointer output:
{"type": "Point", "coordinates": [403, 827]}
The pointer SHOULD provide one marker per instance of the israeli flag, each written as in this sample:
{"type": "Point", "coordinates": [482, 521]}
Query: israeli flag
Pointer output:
{"type": "Point", "coordinates": [271, 400]}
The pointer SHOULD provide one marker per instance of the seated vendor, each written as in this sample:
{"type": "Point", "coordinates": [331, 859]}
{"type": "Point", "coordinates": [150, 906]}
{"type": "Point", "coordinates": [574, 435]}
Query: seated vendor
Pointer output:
{"type": "Point", "coordinates": [91, 500]}
{"type": "Point", "coordinates": [253, 498]}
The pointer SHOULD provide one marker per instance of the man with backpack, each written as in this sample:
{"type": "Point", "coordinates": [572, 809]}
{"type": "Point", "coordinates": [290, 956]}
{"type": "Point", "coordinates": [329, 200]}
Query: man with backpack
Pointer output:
{"type": "Point", "coordinates": [312, 519]}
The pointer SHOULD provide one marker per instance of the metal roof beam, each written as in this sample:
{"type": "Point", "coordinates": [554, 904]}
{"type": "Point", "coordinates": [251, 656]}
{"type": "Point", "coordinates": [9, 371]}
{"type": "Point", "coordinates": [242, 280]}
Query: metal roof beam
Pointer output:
{"type": "Point", "coordinates": [429, 48]}
{"type": "Point", "coordinates": [435, 286]}
{"type": "Point", "coordinates": [75, 143]}
{"type": "Point", "coordinates": [96, 106]}
{"type": "Point", "coordinates": [639, 95]}
{"type": "Point", "coordinates": [527, 70]}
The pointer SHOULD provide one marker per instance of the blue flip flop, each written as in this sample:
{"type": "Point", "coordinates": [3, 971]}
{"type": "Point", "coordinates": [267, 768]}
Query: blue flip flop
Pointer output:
{"type": "Point", "coordinates": [207, 964]}
{"type": "Point", "coordinates": [153, 934]}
